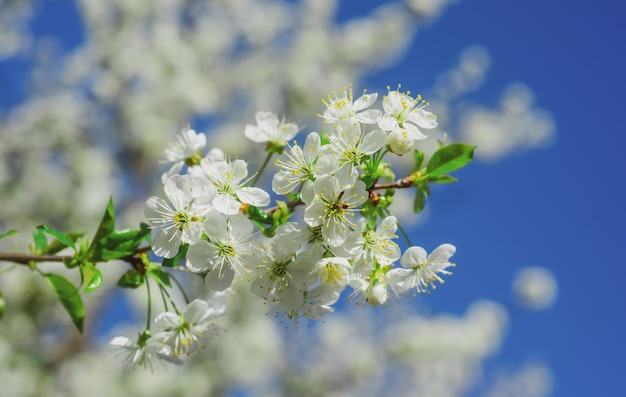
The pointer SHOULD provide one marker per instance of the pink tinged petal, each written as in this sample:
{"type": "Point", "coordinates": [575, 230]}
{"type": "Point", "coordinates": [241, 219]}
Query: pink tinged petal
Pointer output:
{"type": "Point", "coordinates": [254, 196]}
{"type": "Point", "coordinates": [220, 278]}
{"type": "Point", "coordinates": [413, 256]}
{"type": "Point", "coordinates": [166, 242]}
{"type": "Point", "coordinates": [443, 253]}
{"type": "Point", "coordinates": [226, 204]}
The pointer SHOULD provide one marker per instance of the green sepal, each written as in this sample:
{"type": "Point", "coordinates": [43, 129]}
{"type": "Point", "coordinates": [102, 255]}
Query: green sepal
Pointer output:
{"type": "Point", "coordinates": [258, 215]}
{"type": "Point", "coordinates": [173, 262]}
{"type": "Point", "coordinates": [2, 304]}
{"type": "Point", "coordinates": [131, 279]}
{"type": "Point", "coordinates": [161, 276]}
{"type": "Point", "coordinates": [443, 178]}
{"type": "Point", "coordinates": [450, 158]}
{"type": "Point", "coordinates": [9, 233]}
{"type": "Point", "coordinates": [91, 276]}
{"type": "Point", "coordinates": [69, 296]}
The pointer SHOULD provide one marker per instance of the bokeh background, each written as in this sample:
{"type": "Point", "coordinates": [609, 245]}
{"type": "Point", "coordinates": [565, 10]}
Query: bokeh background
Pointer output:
{"type": "Point", "coordinates": [91, 92]}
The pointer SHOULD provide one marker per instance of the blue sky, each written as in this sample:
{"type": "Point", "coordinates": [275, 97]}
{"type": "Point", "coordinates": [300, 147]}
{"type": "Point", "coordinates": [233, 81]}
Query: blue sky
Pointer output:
{"type": "Point", "coordinates": [561, 207]}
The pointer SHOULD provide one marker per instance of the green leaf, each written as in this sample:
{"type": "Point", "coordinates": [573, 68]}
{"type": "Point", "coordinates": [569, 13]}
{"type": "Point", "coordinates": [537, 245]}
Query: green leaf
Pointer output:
{"type": "Point", "coordinates": [420, 201]}
{"type": "Point", "coordinates": [161, 276]}
{"type": "Point", "coordinates": [173, 262]}
{"type": "Point", "coordinates": [56, 245]}
{"type": "Point", "coordinates": [69, 297]}
{"type": "Point", "coordinates": [106, 227]}
{"type": "Point", "coordinates": [119, 244]}
{"type": "Point", "coordinates": [131, 279]}
{"type": "Point", "coordinates": [91, 276]}
{"type": "Point", "coordinates": [450, 158]}
{"type": "Point", "coordinates": [419, 159]}
{"type": "Point", "coordinates": [40, 240]}
{"type": "Point", "coordinates": [443, 178]}
{"type": "Point", "coordinates": [63, 238]}
{"type": "Point", "coordinates": [2, 304]}
{"type": "Point", "coordinates": [7, 234]}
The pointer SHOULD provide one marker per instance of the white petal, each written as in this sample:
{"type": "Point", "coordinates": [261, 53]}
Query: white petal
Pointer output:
{"type": "Point", "coordinates": [226, 204]}
{"type": "Point", "coordinates": [254, 196]}
{"type": "Point", "coordinates": [443, 253]}
{"type": "Point", "coordinates": [220, 278]}
{"type": "Point", "coordinates": [413, 256]}
{"type": "Point", "coordinates": [240, 227]}
{"type": "Point", "coordinates": [166, 242]}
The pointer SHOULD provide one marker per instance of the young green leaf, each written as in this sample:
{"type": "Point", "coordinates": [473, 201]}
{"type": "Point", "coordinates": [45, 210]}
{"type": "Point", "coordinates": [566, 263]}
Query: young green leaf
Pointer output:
{"type": "Point", "coordinates": [131, 279]}
{"type": "Point", "coordinates": [106, 227]}
{"type": "Point", "coordinates": [161, 276]}
{"type": "Point", "coordinates": [419, 160]}
{"type": "Point", "coordinates": [119, 244]}
{"type": "Point", "coordinates": [443, 178]}
{"type": "Point", "coordinates": [91, 276]}
{"type": "Point", "coordinates": [420, 201]}
{"type": "Point", "coordinates": [63, 238]}
{"type": "Point", "coordinates": [39, 238]}
{"type": "Point", "coordinates": [69, 297]}
{"type": "Point", "coordinates": [450, 158]}
{"type": "Point", "coordinates": [7, 234]}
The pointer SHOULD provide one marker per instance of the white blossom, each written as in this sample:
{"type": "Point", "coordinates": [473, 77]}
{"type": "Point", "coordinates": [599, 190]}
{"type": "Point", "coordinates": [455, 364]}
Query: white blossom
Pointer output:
{"type": "Point", "coordinates": [333, 207]}
{"type": "Point", "coordinates": [420, 271]}
{"type": "Point", "coordinates": [228, 179]}
{"type": "Point", "coordinates": [342, 108]}
{"type": "Point", "coordinates": [180, 222]}
{"type": "Point", "coordinates": [184, 332]}
{"type": "Point", "coordinates": [271, 130]}
{"type": "Point", "coordinates": [228, 253]}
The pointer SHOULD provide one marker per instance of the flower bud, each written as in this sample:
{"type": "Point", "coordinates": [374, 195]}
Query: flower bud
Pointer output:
{"type": "Point", "coordinates": [399, 143]}
{"type": "Point", "coordinates": [377, 293]}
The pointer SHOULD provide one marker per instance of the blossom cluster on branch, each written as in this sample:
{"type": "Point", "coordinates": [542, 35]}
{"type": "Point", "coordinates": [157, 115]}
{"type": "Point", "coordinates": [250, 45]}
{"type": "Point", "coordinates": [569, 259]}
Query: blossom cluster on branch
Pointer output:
{"type": "Point", "coordinates": [214, 222]}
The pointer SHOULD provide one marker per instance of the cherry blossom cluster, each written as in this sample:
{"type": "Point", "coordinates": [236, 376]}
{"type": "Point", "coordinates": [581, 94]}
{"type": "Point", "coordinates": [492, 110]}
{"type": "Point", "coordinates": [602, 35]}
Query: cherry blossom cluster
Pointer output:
{"type": "Point", "coordinates": [215, 222]}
